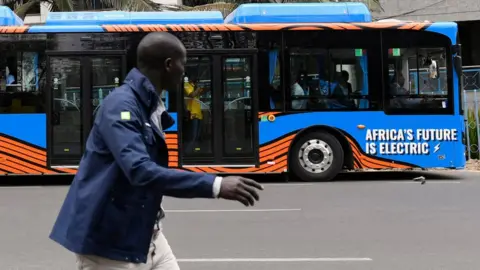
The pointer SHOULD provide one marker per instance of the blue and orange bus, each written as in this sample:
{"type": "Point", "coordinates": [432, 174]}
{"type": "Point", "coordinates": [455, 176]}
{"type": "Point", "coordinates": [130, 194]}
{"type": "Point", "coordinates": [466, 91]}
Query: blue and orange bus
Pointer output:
{"type": "Point", "coordinates": [311, 89]}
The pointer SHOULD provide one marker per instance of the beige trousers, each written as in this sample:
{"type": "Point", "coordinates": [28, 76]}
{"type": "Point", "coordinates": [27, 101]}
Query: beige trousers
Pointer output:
{"type": "Point", "coordinates": [162, 259]}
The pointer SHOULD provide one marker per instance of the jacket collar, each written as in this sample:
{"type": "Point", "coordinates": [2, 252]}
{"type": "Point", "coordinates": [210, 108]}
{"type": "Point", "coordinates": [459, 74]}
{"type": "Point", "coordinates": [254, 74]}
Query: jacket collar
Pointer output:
{"type": "Point", "coordinates": [142, 86]}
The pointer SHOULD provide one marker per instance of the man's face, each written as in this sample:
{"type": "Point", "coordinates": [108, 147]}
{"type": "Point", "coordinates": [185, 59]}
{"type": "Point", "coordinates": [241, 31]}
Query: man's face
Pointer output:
{"type": "Point", "coordinates": [175, 71]}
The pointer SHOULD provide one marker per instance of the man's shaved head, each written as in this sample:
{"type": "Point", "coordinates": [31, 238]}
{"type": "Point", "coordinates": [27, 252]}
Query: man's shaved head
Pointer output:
{"type": "Point", "coordinates": [155, 48]}
{"type": "Point", "coordinates": [161, 57]}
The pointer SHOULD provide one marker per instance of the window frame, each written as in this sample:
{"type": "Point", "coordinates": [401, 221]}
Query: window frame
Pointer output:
{"type": "Point", "coordinates": [406, 39]}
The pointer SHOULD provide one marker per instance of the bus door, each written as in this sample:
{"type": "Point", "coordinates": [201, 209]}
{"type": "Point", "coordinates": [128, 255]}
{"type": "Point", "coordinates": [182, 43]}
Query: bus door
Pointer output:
{"type": "Point", "coordinates": [78, 83]}
{"type": "Point", "coordinates": [219, 124]}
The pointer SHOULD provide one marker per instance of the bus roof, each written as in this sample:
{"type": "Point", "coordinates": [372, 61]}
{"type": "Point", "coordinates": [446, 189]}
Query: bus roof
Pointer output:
{"type": "Point", "coordinates": [247, 17]}
{"type": "Point", "coordinates": [9, 18]}
{"type": "Point", "coordinates": [300, 13]}
{"type": "Point", "coordinates": [123, 18]}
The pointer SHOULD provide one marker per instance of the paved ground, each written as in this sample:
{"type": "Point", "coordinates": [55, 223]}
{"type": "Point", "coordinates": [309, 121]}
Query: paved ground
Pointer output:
{"type": "Point", "coordinates": [360, 224]}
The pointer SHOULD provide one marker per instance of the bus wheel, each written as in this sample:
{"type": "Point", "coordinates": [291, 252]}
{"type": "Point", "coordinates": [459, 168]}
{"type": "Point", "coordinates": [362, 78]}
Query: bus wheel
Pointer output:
{"type": "Point", "coordinates": [316, 157]}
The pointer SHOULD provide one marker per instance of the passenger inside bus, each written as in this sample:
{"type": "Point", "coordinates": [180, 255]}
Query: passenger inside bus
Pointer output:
{"type": "Point", "coordinates": [400, 95]}
{"type": "Point", "coordinates": [415, 79]}
{"type": "Point", "coordinates": [343, 90]}
{"type": "Point", "coordinates": [344, 84]}
{"type": "Point", "coordinates": [11, 75]}
{"type": "Point", "coordinates": [193, 109]}
{"type": "Point", "coordinates": [300, 91]}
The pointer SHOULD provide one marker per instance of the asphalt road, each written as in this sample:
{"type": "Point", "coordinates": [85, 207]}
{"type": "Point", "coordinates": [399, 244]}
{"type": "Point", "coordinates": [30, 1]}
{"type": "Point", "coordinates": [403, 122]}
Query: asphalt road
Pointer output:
{"type": "Point", "coordinates": [360, 222]}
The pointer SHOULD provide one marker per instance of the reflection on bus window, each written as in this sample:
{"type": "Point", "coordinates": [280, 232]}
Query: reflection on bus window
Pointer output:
{"type": "Point", "coordinates": [237, 116]}
{"type": "Point", "coordinates": [334, 79]}
{"type": "Point", "coordinates": [22, 75]}
{"type": "Point", "coordinates": [417, 78]}
{"type": "Point", "coordinates": [66, 106]}
{"type": "Point", "coordinates": [106, 73]}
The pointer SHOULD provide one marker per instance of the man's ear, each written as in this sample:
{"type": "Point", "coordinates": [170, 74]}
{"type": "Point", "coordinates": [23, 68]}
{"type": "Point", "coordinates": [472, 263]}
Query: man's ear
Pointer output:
{"type": "Point", "coordinates": [168, 64]}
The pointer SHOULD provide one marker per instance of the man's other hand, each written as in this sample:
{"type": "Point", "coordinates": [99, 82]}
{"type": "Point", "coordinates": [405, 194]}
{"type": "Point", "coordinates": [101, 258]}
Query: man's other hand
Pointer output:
{"type": "Point", "coordinates": [240, 189]}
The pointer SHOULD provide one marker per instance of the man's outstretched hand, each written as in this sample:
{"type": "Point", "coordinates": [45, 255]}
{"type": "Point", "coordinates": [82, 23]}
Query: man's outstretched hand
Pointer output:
{"type": "Point", "coordinates": [240, 189]}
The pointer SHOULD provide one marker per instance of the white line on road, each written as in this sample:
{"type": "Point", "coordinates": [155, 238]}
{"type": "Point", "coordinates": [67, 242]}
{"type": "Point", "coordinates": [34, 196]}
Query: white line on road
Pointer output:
{"type": "Point", "coordinates": [21, 187]}
{"type": "Point", "coordinates": [231, 210]}
{"type": "Point", "coordinates": [286, 184]}
{"type": "Point", "coordinates": [426, 181]}
{"type": "Point", "coordinates": [275, 260]}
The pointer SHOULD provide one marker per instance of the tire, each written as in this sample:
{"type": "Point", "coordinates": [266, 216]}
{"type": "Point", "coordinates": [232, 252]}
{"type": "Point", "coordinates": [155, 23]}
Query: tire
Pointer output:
{"type": "Point", "coordinates": [316, 157]}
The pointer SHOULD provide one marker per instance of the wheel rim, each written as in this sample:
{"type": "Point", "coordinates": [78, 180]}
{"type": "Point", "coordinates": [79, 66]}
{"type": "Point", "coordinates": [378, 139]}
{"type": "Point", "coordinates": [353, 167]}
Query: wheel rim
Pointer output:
{"type": "Point", "coordinates": [315, 156]}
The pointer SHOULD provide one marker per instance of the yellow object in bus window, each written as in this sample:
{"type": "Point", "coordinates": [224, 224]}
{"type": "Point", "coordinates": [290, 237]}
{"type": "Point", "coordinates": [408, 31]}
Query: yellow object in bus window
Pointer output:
{"type": "Point", "coordinates": [193, 104]}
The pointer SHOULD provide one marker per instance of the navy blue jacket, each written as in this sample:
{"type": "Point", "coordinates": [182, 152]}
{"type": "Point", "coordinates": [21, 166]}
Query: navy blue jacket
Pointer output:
{"type": "Point", "coordinates": [111, 207]}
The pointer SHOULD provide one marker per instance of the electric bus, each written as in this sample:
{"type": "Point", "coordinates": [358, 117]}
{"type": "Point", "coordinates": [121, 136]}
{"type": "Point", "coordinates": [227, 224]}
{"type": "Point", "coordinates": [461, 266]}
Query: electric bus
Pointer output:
{"type": "Point", "coordinates": [309, 89]}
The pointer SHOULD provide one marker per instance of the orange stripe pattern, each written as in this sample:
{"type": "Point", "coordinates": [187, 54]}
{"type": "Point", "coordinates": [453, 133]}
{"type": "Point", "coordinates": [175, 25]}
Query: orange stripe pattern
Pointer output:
{"type": "Point", "coordinates": [13, 29]}
{"type": "Point", "coordinates": [244, 27]}
{"type": "Point", "coordinates": [363, 161]}
{"type": "Point", "coordinates": [265, 27]}
{"type": "Point", "coordinates": [260, 114]}
{"type": "Point", "coordinates": [22, 158]}
{"type": "Point", "coordinates": [273, 158]}
{"type": "Point", "coordinates": [17, 157]}
{"type": "Point", "coordinates": [172, 146]}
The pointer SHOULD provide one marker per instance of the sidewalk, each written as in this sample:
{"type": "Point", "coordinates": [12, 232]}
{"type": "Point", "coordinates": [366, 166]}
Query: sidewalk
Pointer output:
{"type": "Point", "coordinates": [473, 165]}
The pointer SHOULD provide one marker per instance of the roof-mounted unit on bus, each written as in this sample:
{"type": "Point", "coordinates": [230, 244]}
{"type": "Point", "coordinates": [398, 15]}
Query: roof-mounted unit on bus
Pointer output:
{"type": "Point", "coordinates": [300, 13]}
{"type": "Point", "coordinates": [122, 18]}
{"type": "Point", "coordinates": [9, 18]}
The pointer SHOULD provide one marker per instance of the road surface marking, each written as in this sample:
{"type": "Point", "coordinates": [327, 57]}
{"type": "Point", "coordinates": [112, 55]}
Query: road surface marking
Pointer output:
{"type": "Point", "coordinates": [231, 210]}
{"type": "Point", "coordinates": [426, 181]}
{"type": "Point", "coordinates": [286, 184]}
{"type": "Point", "coordinates": [21, 187]}
{"type": "Point", "coordinates": [275, 260]}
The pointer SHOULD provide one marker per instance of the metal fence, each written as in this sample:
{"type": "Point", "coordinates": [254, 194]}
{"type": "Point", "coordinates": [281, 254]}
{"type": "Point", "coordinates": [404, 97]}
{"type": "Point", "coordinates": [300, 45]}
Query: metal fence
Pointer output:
{"type": "Point", "coordinates": [471, 105]}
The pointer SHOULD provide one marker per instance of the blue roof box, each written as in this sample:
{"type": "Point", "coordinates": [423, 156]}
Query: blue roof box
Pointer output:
{"type": "Point", "coordinates": [178, 17]}
{"type": "Point", "coordinates": [300, 13]}
{"type": "Point", "coordinates": [122, 17]}
{"type": "Point", "coordinates": [8, 17]}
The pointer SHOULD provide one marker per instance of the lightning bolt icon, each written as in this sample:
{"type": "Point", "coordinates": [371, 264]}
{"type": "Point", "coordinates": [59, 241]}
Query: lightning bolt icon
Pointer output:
{"type": "Point", "coordinates": [436, 148]}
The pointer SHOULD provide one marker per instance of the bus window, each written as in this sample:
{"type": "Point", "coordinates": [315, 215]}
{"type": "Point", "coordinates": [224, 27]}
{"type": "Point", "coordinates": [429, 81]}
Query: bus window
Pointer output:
{"type": "Point", "coordinates": [335, 79]}
{"type": "Point", "coordinates": [22, 74]}
{"type": "Point", "coordinates": [237, 116]}
{"type": "Point", "coordinates": [351, 73]}
{"type": "Point", "coordinates": [417, 78]}
{"type": "Point", "coordinates": [106, 74]}
{"type": "Point", "coordinates": [197, 121]}
{"type": "Point", "coordinates": [270, 94]}
{"type": "Point", "coordinates": [272, 91]}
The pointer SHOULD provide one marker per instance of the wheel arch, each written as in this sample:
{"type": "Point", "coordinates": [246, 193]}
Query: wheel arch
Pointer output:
{"type": "Point", "coordinates": [339, 135]}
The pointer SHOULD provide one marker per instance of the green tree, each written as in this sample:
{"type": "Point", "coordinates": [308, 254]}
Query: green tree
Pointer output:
{"type": "Point", "coordinates": [22, 7]}
{"type": "Point", "coordinates": [227, 6]}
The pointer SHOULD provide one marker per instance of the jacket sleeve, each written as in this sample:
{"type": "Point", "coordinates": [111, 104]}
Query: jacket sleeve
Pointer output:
{"type": "Point", "coordinates": [121, 129]}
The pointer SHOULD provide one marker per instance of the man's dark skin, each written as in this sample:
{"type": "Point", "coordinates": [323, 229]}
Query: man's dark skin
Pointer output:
{"type": "Point", "coordinates": [161, 57]}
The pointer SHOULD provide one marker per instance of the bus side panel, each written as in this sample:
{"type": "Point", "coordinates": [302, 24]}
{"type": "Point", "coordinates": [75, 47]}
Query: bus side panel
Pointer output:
{"type": "Point", "coordinates": [378, 139]}
{"type": "Point", "coordinates": [30, 128]}
{"type": "Point", "coordinates": [23, 141]}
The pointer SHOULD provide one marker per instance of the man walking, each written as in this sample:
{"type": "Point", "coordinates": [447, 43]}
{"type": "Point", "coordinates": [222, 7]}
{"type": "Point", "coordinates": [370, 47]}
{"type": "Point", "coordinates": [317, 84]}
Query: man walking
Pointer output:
{"type": "Point", "coordinates": [111, 215]}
